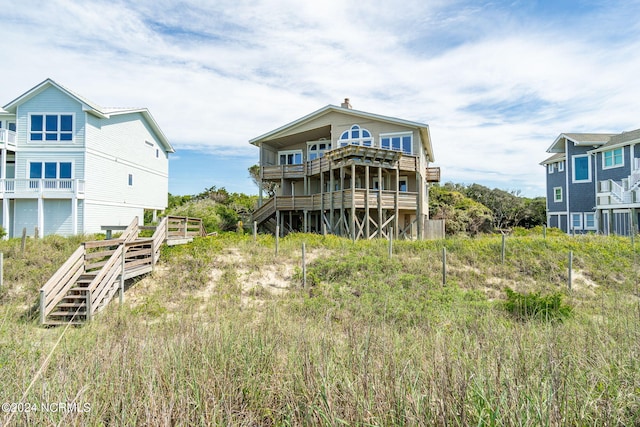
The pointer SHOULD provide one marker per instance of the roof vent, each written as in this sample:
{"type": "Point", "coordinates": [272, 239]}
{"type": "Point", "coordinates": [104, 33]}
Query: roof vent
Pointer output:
{"type": "Point", "coordinates": [346, 104]}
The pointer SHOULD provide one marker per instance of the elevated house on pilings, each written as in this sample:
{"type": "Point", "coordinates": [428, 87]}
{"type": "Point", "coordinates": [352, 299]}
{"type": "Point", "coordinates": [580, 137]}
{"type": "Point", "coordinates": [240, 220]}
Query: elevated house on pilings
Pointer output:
{"type": "Point", "coordinates": [349, 173]}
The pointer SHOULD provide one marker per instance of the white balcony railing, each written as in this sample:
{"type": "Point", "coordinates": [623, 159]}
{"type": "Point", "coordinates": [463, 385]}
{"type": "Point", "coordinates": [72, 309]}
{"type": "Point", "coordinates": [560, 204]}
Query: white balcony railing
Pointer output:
{"type": "Point", "coordinates": [39, 186]}
{"type": "Point", "coordinates": [7, 137]}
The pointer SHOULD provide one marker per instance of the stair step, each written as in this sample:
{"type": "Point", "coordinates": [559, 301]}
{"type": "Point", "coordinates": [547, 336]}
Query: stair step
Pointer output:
{"type": "Point", "coordinates": [71, 304]}
{"type": "Point", "coordinates": [60, 322]}
{"type": "Point", "coordinates": [68, 313]}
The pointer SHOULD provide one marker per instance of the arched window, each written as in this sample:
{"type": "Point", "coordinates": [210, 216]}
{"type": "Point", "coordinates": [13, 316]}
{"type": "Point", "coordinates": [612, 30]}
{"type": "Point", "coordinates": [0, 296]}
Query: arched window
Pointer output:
{"type": "Point", "coordinates": [316, 149]}
{"type": "Point", "coordinates": [356, 136]}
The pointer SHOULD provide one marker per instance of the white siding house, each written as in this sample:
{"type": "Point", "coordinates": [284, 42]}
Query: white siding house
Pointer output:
{"type": "Point", "coordinates": [68, 166]}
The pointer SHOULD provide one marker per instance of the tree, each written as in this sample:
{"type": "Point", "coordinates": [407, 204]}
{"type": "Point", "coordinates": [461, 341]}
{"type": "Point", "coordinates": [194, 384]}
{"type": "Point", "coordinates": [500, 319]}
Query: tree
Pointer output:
{"type": "Point", "coordinates": [268, 187]}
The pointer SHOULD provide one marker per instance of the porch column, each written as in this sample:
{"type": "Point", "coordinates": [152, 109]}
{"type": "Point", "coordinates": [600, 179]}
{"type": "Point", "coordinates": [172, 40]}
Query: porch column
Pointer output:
{"type": "Point", "coordinates": [353, 201]}
{"type": "Point", "coordinates": [366, 201]}
{"type": "Point", "coordinates": [331, 187]}
{"type": "Point", "coordinates": [41, 214]}
{"type": "Point", "coordinates": [5, 216]}
{"type": "Point", "coordinates": [397, 201]}
{"type": "Point", "coordinates": [379, 202]}
{"type": "Point", "coordinates": [3, 166]}
{"type": "Point", "coordinates": [74, 215]}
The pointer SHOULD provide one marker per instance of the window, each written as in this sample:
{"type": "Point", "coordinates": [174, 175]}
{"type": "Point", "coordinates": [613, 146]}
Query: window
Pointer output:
{"type": "Point", "coordinates": [590, 221]}
{"type": "Point", "coordinates": [561, 166]}
{"type": "Point", "coordinates": [557, 194]}
{"type": "Point", "coordinates": [612, 158]}
{"type": "Point", "coordinates": [130, 180]}
{"type": "Point", "coordinates": [51, 127]}
{"type": "Point", "coordinates": [582, 168]}
{"type": "Point", "coordinates": [356, 136]}
{"type": "Point", "coordinates": [376, 184]}
{"type": "Point", "coordinates": [293, 157]}
{"type": "Point", "coordinates": [397, 142]}
{"type": "Point", "coordinates": [403, 184]}
{"type": "Point", "coordinates": [56, 174]}
{"type": "Point", "coordinates": [576, 221]}
{"type": "Point", "coordinates": [551, 167]}
{"type": "Point", "coordinates": [316, 149]}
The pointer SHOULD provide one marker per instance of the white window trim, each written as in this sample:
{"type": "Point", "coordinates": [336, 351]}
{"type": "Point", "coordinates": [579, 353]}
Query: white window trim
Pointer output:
{"type": "Point", "coordinates": [356, 141]}
{"type": "Point", "coordinates": [595, 224]}
{"type": "Point", "coordinates": [573, 172]}
{"type": "Point", "coordinates": [44, 127]}
{"type": "Point", "coordinates": [286, 152]}
{"type": "Point", "coordinates": [317, 151]}
{"type": "Point", "coordinates": [73, 168]}
{"type": "Point", "coordinates": [551, 167]}
{"type": "Point", "coordinates": [391, 135]}
{"type": "Point", "coordinates": [561, 166]}
{"type": "Point", "coordinates": [555, 199]}
{"type": "Point", "coordinates": [579, 215]}
{"type": "Point", "coordinates": [613, 166]}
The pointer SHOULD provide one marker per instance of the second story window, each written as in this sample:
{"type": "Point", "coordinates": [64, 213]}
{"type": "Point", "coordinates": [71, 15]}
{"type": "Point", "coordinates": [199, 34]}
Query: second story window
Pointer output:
{"type": "Point", "coordinates": [291, 157]}
{"type": "Point", "coordinates": [356, 136]}
{"type": "Point", "coordinates": [397, 142]}
{"type": "Point", "coordinates": [612, 158]}
{"type": "Point", "coordinates": [51, 127]}
{"type": "Point", "coordinates": [316, 149]}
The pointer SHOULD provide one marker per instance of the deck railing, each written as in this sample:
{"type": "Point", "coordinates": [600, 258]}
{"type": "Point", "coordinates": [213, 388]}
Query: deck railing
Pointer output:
{"type": "Point", "coordinates": [59, 186]}
{"type": "Point", "coordinates": [7, 137]}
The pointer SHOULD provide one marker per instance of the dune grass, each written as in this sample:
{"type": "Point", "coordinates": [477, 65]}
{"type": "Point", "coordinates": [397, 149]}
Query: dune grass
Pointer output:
{"type": "Point", "coordinates": [370, 341]}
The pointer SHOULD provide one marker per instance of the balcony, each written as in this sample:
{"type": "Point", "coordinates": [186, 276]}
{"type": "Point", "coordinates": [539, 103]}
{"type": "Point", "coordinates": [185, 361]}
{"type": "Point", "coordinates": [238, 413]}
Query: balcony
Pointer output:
{"type": "Point", "coordinates": [35, 188]}
{"type": "Point", "coordinates": [8, 137]}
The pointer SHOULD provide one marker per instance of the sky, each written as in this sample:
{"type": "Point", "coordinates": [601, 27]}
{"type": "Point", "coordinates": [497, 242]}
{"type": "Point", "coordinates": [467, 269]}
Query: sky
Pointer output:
{"type": "Point", "coordinates": [496, 81]}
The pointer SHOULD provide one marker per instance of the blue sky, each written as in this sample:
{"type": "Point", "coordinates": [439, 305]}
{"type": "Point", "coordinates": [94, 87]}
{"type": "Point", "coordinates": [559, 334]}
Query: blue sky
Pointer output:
{"type": "Point", "coordinates": [497, 81]}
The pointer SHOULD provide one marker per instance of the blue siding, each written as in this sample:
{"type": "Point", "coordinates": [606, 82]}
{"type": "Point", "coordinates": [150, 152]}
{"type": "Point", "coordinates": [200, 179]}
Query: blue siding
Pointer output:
{"type": "Point", "coordinates": [582, 196]}
{"type": "Point", "coordinates": [557, 179]}
{"type": "Point", "coordinates": [618, 173]}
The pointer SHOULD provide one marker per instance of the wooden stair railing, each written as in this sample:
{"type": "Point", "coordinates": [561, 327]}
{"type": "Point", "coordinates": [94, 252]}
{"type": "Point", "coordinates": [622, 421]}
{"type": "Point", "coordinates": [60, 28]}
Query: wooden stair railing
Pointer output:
{"type": "Point", "coordinates": [265, 211]}
{"type": "Point", "coordinates": [97, 270]}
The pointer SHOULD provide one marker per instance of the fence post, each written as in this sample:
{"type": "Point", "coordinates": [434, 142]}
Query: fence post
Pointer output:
{"type": "Point", "coordinates": [390, 244]}
{"type": "Point", "coordinates": [185, 227]}
{"type": "Point", "coordinates": [24, 239]}
{"type": "Point", "coordinates": [36, 233]}
{"type": "Point", "coordinates": [304, 265]}
{"type": "Point", "coordinates": [544, 231]}
{"type": "Point", "coordinates": [444, 266]}
{"type": "Point", "coordinates": [569, 280]}
{"type": "Point", "coordinates": [277, 238]}
{"type": "Point", "coordinates": [1, 269]}
{"type": "Point", "coordinates": [255, 231]}
{"type": "Point", "coordinates": [503, 248]}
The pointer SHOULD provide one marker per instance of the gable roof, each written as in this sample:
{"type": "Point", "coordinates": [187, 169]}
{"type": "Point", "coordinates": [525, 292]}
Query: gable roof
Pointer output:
{"type": "Point", "coordinates": [422, 128]}
{"type": "Point", "coordinates": [578, 139]}
{"type": "Point", "coordinates": [619, 140]}
{"type": "Point", "coordinates": [90, 107]}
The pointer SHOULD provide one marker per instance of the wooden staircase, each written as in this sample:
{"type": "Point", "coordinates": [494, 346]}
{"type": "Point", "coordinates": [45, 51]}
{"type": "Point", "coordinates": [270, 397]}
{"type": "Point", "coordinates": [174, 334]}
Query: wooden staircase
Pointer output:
{"type": "Point", "coordinates": [97, 270]}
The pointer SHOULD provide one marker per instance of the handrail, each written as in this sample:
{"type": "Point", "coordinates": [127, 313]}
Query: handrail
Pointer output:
{"type": "Point", "coordinates": [111, 260]}
{"type": "Point", "coordinates": [59, 284]}
{"type": "Point", "coordinates": [108, 274]}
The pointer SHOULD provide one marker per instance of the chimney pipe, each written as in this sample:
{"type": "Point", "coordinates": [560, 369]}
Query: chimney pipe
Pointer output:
{"type": "Point", "coordinates": [346, 104]}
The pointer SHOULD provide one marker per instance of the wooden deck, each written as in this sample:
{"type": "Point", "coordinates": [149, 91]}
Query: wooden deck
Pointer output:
{"type": "Point", "coordinates": [97, 270]}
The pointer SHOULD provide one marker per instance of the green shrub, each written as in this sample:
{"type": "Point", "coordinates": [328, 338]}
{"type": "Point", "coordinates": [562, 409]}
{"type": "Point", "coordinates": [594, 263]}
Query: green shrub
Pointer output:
{"type": "Point", "coordinates": [536, 306]}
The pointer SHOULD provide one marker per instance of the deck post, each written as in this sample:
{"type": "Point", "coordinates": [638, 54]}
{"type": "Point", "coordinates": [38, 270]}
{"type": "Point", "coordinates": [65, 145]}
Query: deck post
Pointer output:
{"type": "Point", "coordinates": [185, 226]}
{"type": "Point", "coordinates": [353, 202]}
{"type": "Point", "coordinates": [255, 231]}
{"type": "Point", "coordinates": [397, 200]}
{"type": "Point", "coordinates": [341, 219]}
{"type": "Point", "coordinates": [367, 231]}
{"type": "Point", "coordinates": [331, 189]}
{"type": "Point", "coordinates": [379, 201]}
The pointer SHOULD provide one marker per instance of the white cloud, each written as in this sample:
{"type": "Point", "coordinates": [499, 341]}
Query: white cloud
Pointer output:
{"type": "Point", "coordinates": [495, 83]}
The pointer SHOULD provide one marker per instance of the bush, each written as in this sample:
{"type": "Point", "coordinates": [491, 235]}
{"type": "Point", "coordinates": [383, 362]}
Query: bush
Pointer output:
{"type": "Point", "coordinates": [536, 306]}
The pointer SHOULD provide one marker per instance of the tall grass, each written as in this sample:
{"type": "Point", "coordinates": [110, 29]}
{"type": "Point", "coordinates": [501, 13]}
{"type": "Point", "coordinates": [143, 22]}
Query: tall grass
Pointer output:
{"type": "Point", "coordinates": [371, 341]}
